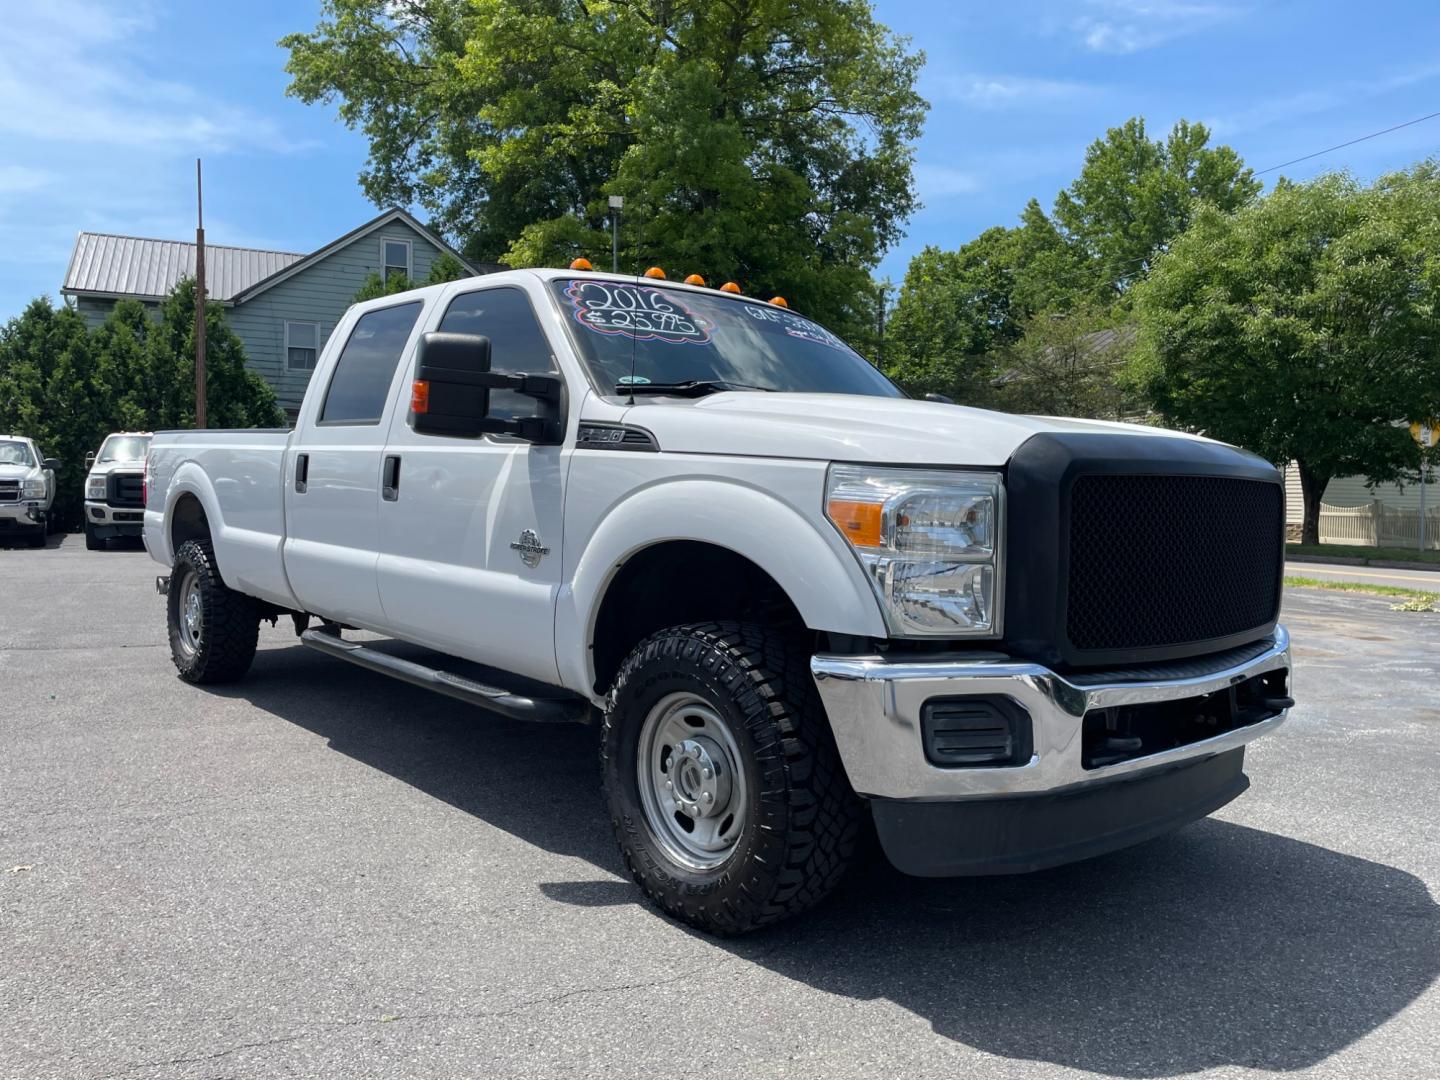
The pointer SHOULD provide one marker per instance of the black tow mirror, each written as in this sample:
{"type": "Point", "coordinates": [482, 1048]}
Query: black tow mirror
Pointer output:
{"type": "Point", "coordinates": [451, 395]}
{"type": "Point", "coordinates": [89, 458]}
{"type": "Point", "coordinates": [50, 463]}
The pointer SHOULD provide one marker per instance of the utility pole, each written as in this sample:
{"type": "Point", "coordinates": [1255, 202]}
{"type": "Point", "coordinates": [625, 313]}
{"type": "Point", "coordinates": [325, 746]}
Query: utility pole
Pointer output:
{"type": "Point", "coordinates": [199, 300]}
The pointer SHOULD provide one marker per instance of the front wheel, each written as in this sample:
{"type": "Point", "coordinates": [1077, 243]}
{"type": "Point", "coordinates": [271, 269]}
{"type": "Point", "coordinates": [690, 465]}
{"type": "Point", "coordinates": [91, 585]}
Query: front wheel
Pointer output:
{"type": "Point", "coordinates": [725, 788]}
{"type": "Point", "coordinates": [92, 541]}
{"type": "Point", "coordinates": [213, 628]}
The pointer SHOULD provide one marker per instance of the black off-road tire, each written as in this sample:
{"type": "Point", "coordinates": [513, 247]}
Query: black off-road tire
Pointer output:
{"type": "Point", "coordinates": [229, 621]}
{"type": "Point", "coordinates": [92, 542]}
{"type": "Point", "coordinates": [802, 823]}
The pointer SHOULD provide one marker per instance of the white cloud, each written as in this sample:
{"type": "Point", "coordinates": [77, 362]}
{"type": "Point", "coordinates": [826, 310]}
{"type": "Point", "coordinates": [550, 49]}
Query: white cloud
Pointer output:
{"type": "Point", "coordinates": [944, 181]}
{"type": "Point", "coordinates": [1007, 91]}
{"type": "Point", "coordinates": [15, 179]}
{"type": "Point", "coordinates": [69, 74]}
{"type": "Point", "coordinates": [1128, 26]}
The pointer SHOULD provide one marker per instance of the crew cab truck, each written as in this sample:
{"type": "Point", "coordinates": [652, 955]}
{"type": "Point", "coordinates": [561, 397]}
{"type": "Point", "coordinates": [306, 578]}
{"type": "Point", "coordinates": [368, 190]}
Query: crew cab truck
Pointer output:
{"type": "Point", "coordinates": [794, 600]}
{"type": "Point", "coordinates": [114, 488]}
{"type": "Point", "coordinates": [27, 489]}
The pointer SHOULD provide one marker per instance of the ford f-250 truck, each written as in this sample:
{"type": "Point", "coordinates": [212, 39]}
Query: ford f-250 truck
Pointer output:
{"type": "Point", "coordinates": [795, 600]}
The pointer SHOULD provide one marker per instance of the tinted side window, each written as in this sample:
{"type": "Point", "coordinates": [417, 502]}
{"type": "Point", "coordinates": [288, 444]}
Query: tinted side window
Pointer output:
{"type": "Point", "coordinates": [517, 344]}
{"type": "Point", "coordinates": [366, 366]}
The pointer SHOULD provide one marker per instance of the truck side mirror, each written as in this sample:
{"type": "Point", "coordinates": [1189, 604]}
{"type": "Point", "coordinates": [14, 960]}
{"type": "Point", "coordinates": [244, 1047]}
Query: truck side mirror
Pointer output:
{"type": "Point", "coordinates": [451, 394]}
{"type": "Point", "coordinates": [53, 464]}
{"type": "Point", "coordinates": [89, 459]}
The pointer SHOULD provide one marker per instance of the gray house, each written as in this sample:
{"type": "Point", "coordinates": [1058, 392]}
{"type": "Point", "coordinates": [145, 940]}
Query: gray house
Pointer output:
{"type": "Point", "coordinates": [282, 305]}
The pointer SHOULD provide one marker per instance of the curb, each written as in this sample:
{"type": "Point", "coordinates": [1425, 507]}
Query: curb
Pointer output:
{"type": "Point", "coordinates": [1383, 564]}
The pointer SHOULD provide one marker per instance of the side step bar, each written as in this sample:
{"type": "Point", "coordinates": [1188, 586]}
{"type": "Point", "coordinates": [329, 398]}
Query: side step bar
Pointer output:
{"type": "Point", "coordinates": [514, 706]}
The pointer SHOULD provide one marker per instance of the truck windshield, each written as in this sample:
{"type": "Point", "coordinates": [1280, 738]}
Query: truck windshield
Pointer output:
{"type": "Point", "coordinates": [15, 453]}
{"type": "Point", "coordinates": [643, 334]}
{"type": "Point", "coordinates": [124, 448]}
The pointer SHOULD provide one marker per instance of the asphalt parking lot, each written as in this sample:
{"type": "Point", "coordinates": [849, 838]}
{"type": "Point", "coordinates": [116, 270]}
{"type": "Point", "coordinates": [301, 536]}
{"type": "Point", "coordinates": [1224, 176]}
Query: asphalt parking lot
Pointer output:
{"type": "Point", "coordinates": [321, 873]}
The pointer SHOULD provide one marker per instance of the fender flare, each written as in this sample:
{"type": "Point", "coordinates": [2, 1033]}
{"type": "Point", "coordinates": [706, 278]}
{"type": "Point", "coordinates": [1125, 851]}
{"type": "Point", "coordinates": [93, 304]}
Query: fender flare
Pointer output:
{"type": "Point", "coordinates": [817, 572]}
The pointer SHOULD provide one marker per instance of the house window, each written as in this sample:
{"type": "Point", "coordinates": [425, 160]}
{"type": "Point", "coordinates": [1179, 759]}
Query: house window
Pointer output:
{"type": "Point", "coordinates": [397, 258]}
{"type": "Point", "coordinates": [302, 345]}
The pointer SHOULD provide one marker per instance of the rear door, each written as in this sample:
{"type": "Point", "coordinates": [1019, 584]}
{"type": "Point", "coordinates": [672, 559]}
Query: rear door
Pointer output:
{"type": "Point", "coordinates": [332, 477]}
{"type": "Point", "coordinates": [470, 533]}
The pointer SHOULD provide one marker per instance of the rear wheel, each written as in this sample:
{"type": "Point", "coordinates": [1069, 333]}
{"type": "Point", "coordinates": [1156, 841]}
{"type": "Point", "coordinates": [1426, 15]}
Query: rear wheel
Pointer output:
{"type": "Point", "coordinates": [725, 789]}
{"type": "Point", "coordinates": [92, 542]}
{"type": "Point", "coordinates": [213, 628]}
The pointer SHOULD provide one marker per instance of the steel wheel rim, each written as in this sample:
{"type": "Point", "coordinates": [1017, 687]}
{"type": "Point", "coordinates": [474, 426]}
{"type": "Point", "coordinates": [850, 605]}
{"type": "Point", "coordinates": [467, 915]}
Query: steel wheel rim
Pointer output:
{"type": "Point", "coordinates": [190, 614]}
{"type": "Point", "coordinates": [692, 789]}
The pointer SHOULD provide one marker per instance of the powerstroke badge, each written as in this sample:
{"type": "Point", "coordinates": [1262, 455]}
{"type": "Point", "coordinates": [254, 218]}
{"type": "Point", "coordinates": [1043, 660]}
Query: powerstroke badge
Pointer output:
{"type": "Point", "coordinates": [530, 549]}
{"type": "Point", "coordinates": [608, 307]}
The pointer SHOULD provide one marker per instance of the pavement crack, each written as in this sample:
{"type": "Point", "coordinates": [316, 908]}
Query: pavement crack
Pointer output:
{"type": "Point", "coordinates": [167, 1062]}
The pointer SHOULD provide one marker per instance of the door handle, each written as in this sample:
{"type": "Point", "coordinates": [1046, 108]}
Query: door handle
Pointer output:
{"type": "Point", "coordinates": [302, 472]}
{"type": "Point", "coordinates": [390, 478]}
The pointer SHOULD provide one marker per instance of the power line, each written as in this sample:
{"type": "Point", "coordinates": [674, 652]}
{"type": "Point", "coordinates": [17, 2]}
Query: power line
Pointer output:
{"type": "Point", "coordinates": [1352, 142]}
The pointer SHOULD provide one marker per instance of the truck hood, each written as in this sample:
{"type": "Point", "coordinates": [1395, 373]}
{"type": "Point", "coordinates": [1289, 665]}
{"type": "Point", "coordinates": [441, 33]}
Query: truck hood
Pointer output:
{"type": "Point", "coordinates": [848, 427]}
{"type": "Point", "coordinates": [18, 472]}
{"type": "Point", "coordinates": [117, 466]}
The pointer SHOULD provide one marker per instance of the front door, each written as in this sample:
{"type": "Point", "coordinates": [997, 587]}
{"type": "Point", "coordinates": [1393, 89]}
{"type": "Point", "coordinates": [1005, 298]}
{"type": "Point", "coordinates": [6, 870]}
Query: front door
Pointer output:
{"type": "Point", "coordinates": [332, 476]}
{"type": "Point", "coordinates": [470, 529]}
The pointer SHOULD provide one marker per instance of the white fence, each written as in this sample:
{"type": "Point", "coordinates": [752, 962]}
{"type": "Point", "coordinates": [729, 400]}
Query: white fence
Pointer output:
{"type": "Point", "coordinates": [1378, 525]}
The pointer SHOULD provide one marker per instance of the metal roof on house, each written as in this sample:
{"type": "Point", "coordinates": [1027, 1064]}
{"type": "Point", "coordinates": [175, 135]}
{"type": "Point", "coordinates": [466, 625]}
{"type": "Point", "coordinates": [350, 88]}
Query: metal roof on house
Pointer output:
{"type": "Point", "coordinates": [107, 265]}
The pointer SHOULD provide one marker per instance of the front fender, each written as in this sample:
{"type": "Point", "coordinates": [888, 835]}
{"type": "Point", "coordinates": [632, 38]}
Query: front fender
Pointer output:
{"type": "Point", "coordinates": [816, 570]}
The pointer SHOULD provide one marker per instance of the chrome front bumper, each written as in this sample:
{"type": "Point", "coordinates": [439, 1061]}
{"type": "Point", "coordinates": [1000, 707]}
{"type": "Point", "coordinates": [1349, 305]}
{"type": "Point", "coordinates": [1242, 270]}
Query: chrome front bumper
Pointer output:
{"type": "Point", "coordinates": [874, 706]}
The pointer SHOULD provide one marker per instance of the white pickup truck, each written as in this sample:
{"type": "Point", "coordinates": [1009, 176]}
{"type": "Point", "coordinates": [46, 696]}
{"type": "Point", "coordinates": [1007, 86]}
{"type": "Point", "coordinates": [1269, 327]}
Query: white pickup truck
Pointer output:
{"type": "Point", "coordinates": [795, 601]}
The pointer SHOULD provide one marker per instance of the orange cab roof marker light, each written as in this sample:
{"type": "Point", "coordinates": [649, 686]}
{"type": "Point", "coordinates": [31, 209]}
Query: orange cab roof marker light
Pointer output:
{"type": "Point", "coordinates": [581, 263]}
{"type": "Point", "coordinates": [779, 301]}
{"type": "Point", "coordinates": [655, 272]}
{"type": "Point", "coordinates": [695, 279]}
{"type": "Point", "coordinates": [730, 287]}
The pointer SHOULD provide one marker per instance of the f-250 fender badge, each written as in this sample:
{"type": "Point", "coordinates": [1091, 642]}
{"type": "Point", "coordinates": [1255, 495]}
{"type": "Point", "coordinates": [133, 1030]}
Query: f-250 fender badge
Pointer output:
{"type": "Point", "coordinates": [530, 549]}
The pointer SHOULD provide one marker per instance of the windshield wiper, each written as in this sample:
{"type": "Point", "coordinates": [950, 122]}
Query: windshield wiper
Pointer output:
{"type": "Point", "coordinates": [688, 388]}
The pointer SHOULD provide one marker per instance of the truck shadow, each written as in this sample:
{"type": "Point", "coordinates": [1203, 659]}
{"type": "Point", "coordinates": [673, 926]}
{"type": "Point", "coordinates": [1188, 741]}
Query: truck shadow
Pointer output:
{"type": "Point", "coordinates": [1222, 945]}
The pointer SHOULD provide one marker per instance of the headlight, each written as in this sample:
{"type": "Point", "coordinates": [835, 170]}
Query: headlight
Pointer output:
{"type": "Point", "coordinates": [95, 487]}
{"type": "Point", "coordinates": [928, 541]}
{"type": "Point", "coordinates": [32, 489]}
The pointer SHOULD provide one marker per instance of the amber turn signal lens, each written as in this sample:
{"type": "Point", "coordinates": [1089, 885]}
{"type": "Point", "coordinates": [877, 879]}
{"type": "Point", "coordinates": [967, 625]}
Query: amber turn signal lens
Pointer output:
{"type": "Point", "coordinates": [695, 279]}
{"type": "Point", "coordinates": [730, 286]}
{"type": "Point", "coordinates": [420, 397]}
{"type": "Point", "coordinates": [779, 301]}
{"type": "Point", "coordinates": [655, 272]}
{"type": "Point", "coordinates": [860, 521]}
{"type": "Point", "coordinates": [581, 264]}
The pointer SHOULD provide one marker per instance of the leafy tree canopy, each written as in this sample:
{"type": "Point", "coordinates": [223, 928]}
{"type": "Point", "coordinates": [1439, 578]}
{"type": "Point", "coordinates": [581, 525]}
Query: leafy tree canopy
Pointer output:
{"type": "Point", "coordinates": [764, 141]}
{"type": "Point", "coordinates": [1303, 326]}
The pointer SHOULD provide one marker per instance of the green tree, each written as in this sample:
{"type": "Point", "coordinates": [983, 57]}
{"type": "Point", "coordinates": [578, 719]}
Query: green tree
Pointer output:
{"type": "Point", "coordinates": [1303, 326]}
{"type": "Point", "coordinates": [1068, 363]}
{"type": "Point", "coordinates": [234, 395]}
{"type": "Point", "coordinates": [1135, 194]}
{"type": "Point", "coordinates": [767, 142]}
{"type": "Point", "coordinates": [45, 354]}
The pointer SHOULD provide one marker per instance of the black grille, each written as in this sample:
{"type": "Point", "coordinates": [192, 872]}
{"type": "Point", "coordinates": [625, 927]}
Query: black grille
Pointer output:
{"type": "Point", "coordinates": [1159, 560]}
{"type": "Point", "coordinates": [125, 489]}
{"type": "Point", "coordinates": [9, 491]}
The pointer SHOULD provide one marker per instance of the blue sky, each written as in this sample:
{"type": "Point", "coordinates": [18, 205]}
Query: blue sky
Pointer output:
{"type": "Point", "coordinates": [104, 106]}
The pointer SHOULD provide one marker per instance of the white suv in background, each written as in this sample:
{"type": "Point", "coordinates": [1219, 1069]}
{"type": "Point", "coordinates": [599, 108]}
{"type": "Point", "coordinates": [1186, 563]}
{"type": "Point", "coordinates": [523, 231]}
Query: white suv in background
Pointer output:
{"type": "Point", "coordinates": [27, 488]}
{"type": "Point", "coordinates": [115, 488]}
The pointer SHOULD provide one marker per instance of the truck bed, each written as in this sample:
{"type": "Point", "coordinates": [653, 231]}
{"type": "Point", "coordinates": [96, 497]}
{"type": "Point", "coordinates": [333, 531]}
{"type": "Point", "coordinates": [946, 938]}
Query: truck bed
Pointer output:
{"type": "Point", "coordinates": [241, 471]}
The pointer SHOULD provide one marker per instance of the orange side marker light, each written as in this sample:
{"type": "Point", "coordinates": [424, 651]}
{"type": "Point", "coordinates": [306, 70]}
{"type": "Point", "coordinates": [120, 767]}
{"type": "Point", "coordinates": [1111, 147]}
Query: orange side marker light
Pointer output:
{"type": "Point", "coordinates": [420, 397]}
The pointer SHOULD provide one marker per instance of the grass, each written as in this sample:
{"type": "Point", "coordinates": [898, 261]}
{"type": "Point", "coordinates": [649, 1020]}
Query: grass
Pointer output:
{"type": "Point", "coordinates": [1411, 599]}
{"type": "Point", "coordinates": [1346, 551]}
